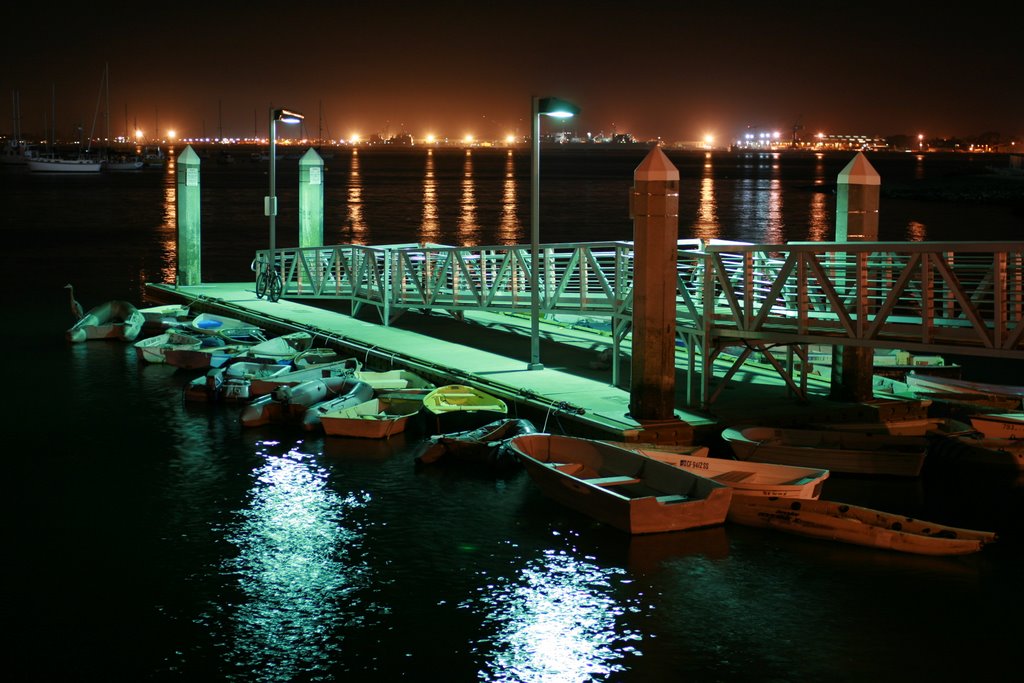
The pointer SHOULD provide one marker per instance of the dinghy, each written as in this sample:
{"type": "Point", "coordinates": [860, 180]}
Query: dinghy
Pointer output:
{"type": "Point", "coordinates": [116, 320]}
{"type": "Point", "coordinates": [748, 477]}
{"type": "Point", "coordinates": [351, 394]}
{"type": "Point", "coordinates": [834, 521]}
{"type": "Point", "coordinates": [382, 417]}
{"type": "Point", "coordinates": [620, 487]}
{"type": "Point", "coordinates": [288, 404]}
{"type": "Point", "coordinates": [485, 444]}
{"type": "Point", "coordinates": [838, 451]}
{"type": "Point", "coordinates": [456, 407]}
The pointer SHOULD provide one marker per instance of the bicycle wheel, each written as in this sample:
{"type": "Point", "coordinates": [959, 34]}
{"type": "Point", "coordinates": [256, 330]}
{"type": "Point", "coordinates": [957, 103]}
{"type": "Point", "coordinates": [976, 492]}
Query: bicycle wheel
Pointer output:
{"type": "Point", "coordinates": [261, 284]}
{"type": "Point", "coordinates": [274, 286]}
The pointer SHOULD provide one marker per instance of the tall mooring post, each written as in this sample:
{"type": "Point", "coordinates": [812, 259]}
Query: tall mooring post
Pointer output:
{"type": "Point", "coordinates": [311, 199]}
{"type": "Point", "coordinates": [189, 242]}
{"type": "Point", "coordinates": [857, 191]}
{"type": "Point", "coordinates": [654, 208]}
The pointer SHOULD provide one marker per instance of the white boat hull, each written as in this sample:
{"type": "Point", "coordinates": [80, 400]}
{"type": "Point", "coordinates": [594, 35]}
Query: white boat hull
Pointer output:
{"type": "Point", "coordinates": [748, 477]}
{"type": "Point", "coordinates": [41, 165]}
{"type": "Point", "coordinates": [117, 320]}
{"type": "Point", "coordinates": [999, 425]}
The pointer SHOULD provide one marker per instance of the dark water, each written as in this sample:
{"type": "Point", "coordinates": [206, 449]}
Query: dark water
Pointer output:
{"type": "Point", "coordinates": [158, 540]}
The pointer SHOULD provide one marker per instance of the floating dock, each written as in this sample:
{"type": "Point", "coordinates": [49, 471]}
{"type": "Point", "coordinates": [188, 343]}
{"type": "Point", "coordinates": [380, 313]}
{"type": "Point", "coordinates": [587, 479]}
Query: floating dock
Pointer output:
{"type": "Point", "coordinates": [491, 351]}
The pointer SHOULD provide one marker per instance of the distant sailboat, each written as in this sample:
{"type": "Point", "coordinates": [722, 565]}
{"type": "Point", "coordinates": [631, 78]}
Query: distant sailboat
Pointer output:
{"type": "Point", "coordinates": [51, 162]}
{"type": "Point", "coordinates": [14, 152]}
{"type": "Point", "coordinates": [116, 161]}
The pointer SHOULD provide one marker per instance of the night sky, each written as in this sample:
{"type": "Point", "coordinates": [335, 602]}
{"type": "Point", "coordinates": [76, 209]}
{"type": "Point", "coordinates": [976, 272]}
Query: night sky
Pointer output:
{"type": "Point", "coordinates": [675, 70]}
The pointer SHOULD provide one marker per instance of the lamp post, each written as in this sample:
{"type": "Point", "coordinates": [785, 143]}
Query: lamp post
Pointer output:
{"type": "Point", "coordinates": [559, 109]}
{"type": "Point", "coordinates": [270, 205]}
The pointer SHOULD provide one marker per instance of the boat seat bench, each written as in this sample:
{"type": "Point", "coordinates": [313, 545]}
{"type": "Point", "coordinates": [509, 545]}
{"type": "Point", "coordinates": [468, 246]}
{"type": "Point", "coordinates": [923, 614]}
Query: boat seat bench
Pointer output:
{"type": "Point", "coordinates": [673, 498]}
{"type": "Point", "coordinates": [733, 476]}
{"type": "Point", "coordinates": [612, 481]}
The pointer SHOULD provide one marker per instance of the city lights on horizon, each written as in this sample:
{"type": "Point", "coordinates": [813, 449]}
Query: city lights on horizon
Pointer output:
{"type": "Point", "coordinates": [752, 138]}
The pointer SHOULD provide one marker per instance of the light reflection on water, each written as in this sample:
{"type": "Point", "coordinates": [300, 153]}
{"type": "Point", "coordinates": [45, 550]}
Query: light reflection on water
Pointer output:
{"type": "Point", "coordinates": [556, 619]}
{"type": "Point", "coordinates": [356, 224]}
{"type": "Point", "coordinates": [818, 217]}
{"type": "Point", "coordinates": [508, 226]}
{"type": "Point", "coordinates": [707, 210]}
{"type": "Point", "coordinates": [431, 228]}
{"type": "Point", "coordinates": [916, 232]}
{"type": "Point", "coordinates": [299, 569]}
{"type": "Point", "coordinates": [469, 230]}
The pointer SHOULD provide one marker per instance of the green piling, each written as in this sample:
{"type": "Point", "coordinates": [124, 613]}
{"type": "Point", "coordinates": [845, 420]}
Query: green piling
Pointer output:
{"type": "Point", "coordinates": [189, 237]}
{"type": "Point", "coordinates": [311, 199]}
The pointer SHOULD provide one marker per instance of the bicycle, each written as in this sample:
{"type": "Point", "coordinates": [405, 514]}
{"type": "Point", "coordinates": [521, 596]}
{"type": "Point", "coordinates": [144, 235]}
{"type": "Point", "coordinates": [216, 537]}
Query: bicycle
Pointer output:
{"type": "Point", "coordinates": [268, 280]}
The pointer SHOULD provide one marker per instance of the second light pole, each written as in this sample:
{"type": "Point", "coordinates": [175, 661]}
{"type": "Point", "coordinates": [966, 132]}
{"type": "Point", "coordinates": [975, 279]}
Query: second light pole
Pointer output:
{"type": "Point", "coordinates": [270, 205]}
{"type": "Point", "coordinates": [559, 109]}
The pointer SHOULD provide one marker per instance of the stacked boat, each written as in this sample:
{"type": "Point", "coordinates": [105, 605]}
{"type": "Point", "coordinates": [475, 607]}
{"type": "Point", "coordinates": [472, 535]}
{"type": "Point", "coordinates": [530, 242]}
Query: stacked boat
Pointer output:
{"type": "Point", "coordinates": [851, 452]}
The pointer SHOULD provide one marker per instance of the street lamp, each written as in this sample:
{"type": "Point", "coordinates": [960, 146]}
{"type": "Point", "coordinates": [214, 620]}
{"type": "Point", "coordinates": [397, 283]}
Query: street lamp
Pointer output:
{"type": "Point", "coordinates": [272, 286]}
{"type": "Point", "coordinates": [559, 109]}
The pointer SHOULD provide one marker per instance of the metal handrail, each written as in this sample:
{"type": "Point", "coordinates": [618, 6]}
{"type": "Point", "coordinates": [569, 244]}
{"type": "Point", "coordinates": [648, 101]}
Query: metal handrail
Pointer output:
{"type": "Point", "coordinates": [943, 297]}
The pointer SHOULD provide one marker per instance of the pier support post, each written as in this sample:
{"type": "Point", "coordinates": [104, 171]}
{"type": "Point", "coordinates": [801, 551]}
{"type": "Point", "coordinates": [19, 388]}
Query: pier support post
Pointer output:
{"type": "Point", "coordinates": [654, 208]}
{"type": "Point", "coordinates": [188, 247]}
{"type": "Point", "coordinates": [857, 192]}
{"type": "Point", "coordinates": [311, 199]}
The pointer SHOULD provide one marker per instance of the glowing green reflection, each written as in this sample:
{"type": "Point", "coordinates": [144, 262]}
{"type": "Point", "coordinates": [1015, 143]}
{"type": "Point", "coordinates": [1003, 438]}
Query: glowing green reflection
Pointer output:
{"type": "Point", "coordinates": [555, 621]}
{"type": "Point", "coordinates": [298, 569]}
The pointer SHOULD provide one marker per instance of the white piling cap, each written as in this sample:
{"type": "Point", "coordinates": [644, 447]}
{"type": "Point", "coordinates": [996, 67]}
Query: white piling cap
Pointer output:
{"type": "Point", "coordinates": [656, 166]}
{"type": "Point", "coordinates": [859, 172]}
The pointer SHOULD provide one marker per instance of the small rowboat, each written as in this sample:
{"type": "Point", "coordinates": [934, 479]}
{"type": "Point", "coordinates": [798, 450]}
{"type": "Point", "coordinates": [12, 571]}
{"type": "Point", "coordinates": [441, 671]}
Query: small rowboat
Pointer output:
{"type": "Point", "coordinates": [748, 477]}
{"type": "Point", "coordinates": [486, 444]}
{"type": "Point", "coordinates": [289, 403]}
{"type": "Point", "coordinates": [231, 328]}
{"type": "Point", "coordinates": [620, 487]}
{"type": "Point", "coordinates": [834, 521]}
{"type": "Point", "coordinates": [379, 418]}
{"type": "Point", "coordinates": [116, 320]}
{"type": "Point", "coordinates": [261, 386]}
{"type": "Point", "coordinates": [154, 349]}
{"type": "Point", "coordinates": [967, 393]}
{"type": "Point", "coordinates": [999, 425]}
{"type": "Point", "coordinates": [391, 380]}
{"type": "Point", "coordinates": [353, 393]}
{"type": "Point", "coordinates": [231, 381]}
{"type": "Point", "coordinates": [838, 451]}
{"type": "Point", "coordinates": [456, 407]}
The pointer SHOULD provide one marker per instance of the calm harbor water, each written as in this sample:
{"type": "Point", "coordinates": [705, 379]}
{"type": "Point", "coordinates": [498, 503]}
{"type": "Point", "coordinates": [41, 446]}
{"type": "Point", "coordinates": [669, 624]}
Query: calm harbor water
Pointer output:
{"type": "Point", "coordinates": [159, 540]}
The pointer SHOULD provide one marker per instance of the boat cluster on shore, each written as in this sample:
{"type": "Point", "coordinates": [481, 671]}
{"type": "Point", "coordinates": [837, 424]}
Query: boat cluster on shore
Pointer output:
{"type": "Point", "coordinates": [774, 481]}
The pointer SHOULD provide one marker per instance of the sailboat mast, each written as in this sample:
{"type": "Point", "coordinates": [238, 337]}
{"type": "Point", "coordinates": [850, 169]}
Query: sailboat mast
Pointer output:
{"type": "Point", "coordinates": [14, 118]}
{"type": "Point", "coordinates": [106, 112]}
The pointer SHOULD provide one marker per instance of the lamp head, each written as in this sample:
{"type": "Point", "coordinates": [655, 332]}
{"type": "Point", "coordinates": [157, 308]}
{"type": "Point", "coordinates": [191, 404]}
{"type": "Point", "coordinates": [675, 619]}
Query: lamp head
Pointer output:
{"type": "Point", "coordinates": [559, 109]}
{"type": "Point", "coordinates": [287, 116]}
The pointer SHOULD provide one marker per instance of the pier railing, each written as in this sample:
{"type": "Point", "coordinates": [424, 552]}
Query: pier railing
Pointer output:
{"type": "Point", "coordinates": [574, 278]}
{"type": "Point", "coordinates": [951, 297]}
{"type": "Point", "coordinates": [956, 297]}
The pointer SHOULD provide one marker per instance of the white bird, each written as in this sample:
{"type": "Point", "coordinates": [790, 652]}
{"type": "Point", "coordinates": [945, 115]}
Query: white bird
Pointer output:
{"type": "Point", "coordinates": [76, 308]}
